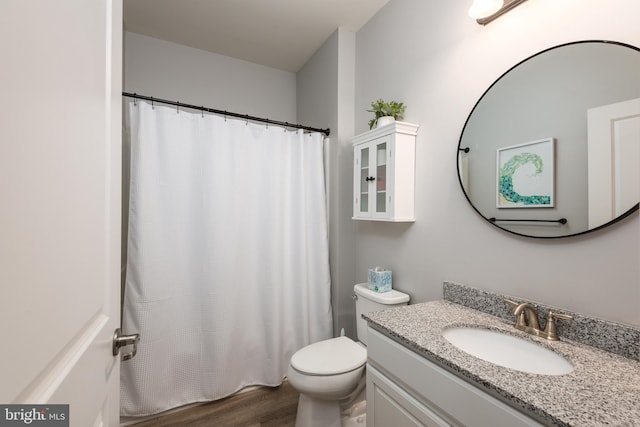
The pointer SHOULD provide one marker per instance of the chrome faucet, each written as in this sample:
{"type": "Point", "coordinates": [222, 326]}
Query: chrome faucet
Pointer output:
{"type": "Point", "coordinates": [530, 323]}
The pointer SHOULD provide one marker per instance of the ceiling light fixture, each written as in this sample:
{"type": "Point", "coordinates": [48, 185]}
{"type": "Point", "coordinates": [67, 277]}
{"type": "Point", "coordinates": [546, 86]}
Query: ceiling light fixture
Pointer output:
{"type": "Point", "coordinates": [485, 11]}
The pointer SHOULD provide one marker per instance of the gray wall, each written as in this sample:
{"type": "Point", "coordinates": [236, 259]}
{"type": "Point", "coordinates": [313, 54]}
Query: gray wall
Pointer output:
{"type": "Point", "coordinates": [325, 97]}
{"type": "Point", "coordinates": [432, 56]}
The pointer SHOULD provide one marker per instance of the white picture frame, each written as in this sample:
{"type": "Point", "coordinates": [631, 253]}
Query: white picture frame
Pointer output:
{"type": "Point", "coordinates": [525, 175]}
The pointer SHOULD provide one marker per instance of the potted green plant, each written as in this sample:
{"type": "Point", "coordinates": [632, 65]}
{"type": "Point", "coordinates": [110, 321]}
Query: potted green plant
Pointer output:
{"type": "Point", "coordinates": [386, 112]}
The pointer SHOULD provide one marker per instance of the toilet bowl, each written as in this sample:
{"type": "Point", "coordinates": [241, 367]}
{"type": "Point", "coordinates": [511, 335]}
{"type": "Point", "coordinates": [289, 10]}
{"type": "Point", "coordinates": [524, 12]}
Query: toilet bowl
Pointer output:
{"type": "Point", "coordinates": [325, 374]}
{"type": "Point", "coordinates": [330, 374]}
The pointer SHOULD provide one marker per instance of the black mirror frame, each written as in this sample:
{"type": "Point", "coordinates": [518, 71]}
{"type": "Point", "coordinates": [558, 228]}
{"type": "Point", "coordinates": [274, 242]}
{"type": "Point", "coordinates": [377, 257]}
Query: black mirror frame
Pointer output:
{"type": "Point", "coordinates": [466, 149]}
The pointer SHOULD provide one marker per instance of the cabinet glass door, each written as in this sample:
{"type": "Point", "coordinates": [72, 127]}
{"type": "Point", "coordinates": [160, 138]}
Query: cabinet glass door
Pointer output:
{"type": "Point", "coordinates": [381, 177]}
{"type": "Point", "coordinates": [364, 180]}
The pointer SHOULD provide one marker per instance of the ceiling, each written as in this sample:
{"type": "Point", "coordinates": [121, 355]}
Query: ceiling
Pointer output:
{"type": "Point", "coordinates": [281, 34]}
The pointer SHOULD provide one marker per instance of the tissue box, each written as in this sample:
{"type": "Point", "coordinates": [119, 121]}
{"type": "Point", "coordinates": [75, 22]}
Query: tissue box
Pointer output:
{"type": "Point", "coordinates": [379, 280]}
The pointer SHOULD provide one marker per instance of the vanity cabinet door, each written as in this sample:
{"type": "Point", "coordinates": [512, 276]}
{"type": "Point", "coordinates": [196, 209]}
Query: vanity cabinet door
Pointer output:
{"type": "Point", "coordinates": [431, 387]}
{"type": "Point", "coordinates": [389, 405]}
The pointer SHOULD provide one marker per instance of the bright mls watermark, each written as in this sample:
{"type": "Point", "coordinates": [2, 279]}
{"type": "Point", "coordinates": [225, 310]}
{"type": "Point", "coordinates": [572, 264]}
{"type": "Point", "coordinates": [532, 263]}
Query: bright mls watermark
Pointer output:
{"type": "Point", "coordinates": [34, 415]}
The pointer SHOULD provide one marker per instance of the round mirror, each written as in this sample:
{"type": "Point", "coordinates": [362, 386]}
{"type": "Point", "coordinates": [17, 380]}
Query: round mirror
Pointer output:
{"type": "Point", "coordinates": [552, 148]}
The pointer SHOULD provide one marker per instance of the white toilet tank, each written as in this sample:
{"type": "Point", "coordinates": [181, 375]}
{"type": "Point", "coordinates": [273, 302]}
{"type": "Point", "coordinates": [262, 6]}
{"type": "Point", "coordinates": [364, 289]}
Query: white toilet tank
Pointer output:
{"type": "Point", "coordinates": [368, 301]}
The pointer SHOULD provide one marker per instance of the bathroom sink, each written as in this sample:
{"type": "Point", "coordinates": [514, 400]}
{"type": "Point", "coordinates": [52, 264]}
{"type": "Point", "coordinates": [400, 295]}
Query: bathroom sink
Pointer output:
{"type": "Point", "coordinates": [507, 350]}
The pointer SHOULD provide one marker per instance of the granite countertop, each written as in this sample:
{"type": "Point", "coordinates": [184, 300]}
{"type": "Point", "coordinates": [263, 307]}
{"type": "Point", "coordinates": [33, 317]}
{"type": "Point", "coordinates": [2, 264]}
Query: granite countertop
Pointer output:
{"type": "Point", "coordinates": [602, 390]}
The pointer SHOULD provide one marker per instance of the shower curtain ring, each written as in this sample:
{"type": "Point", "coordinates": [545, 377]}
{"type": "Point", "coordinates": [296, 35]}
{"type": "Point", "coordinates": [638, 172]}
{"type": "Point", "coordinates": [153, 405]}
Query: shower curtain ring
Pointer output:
{"type": "Point", "coordinates": [152, 106]}
{"type": "Point", "coordinates": [202, 111]}
{"type": "Point", "coordinates": [178, 107]}
{"type": "Point", "coordinates": [246, 116]}
{"type": "Point", "coordinates": [135, 100]}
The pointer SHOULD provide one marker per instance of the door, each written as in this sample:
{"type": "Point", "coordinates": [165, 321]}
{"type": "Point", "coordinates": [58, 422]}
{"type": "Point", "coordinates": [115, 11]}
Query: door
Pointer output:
{"type": "Point", "coordinates": [613, 157]}
{"type": "Point", "coordinates": [362, 175]}
{"type": "Point", "coordinates": [389, 405]}
{"type": "Point", "coordinates": [381, 150]}
{"type": "Point", "coordinates": [60, 154]}
{"type": "Point", "coordinates": [370, 174]}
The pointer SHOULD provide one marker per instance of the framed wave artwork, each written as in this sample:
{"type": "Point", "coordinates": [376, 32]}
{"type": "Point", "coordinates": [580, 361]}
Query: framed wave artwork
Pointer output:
{"type": "Point", "coordinates": [525, 175]}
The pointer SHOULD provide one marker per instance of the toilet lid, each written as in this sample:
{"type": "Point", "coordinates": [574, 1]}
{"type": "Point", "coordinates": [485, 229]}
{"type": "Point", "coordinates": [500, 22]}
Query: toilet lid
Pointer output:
{"type": "Point", "coordinates": [329, 357]}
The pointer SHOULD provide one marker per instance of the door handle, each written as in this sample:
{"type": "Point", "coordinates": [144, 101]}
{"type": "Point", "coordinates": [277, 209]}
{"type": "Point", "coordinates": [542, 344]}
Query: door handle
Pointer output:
{"type": "Point", "coordinates": [120, 340]}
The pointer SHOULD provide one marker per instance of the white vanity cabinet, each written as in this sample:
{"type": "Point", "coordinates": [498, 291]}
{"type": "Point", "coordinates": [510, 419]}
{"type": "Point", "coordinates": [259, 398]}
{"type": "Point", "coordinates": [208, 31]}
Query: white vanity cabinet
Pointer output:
{"type": "Point", "coordinates": [406, 389]}
{"type": "Point", "coordinates": [384, 173]}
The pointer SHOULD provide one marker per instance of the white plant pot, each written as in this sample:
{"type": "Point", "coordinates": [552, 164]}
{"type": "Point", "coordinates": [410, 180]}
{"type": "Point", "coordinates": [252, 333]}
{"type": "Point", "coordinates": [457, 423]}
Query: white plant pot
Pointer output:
{"type": "Point", "coordinates": [383, 121]}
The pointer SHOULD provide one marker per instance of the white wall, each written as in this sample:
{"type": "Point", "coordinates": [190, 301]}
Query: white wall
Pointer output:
{"type": "Point", "coordinates": [432, 56]}
{"type": "Point", "coordinates": [171, 71]}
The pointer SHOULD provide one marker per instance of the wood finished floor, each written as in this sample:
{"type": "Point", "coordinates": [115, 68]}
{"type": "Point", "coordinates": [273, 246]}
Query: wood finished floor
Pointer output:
{"type": "Point", "coordinates": [264, 407]}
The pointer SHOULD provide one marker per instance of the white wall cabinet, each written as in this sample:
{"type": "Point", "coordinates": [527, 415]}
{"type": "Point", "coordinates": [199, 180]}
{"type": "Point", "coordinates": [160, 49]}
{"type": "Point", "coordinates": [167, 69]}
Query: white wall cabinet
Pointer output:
{"type": "Point", "coordinates": [405, 389]}
{"type": "Point", "coordinates": [384, 173]}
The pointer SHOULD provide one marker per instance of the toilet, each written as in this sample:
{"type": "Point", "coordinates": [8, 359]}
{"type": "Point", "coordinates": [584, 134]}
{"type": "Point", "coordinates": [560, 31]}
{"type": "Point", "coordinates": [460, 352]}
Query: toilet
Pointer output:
{"type": "Point", "coordinates": [330, 374]}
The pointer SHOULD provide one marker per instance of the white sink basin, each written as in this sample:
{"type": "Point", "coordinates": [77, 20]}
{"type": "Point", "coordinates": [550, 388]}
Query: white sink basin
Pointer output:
{"type": "Point", "coordinates": [508, 350]}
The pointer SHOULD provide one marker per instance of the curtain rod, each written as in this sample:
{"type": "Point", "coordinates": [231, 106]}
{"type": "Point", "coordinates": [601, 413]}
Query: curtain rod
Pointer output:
{"type": "Point", "coordinates": [226, 113]}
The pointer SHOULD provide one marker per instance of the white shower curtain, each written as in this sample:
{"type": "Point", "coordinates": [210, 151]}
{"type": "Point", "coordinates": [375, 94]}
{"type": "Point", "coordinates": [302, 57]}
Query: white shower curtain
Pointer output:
{"type": "Point", "coordinates": [227, 264]}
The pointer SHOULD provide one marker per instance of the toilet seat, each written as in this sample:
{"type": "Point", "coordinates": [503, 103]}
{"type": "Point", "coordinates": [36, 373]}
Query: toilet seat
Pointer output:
{"type": "Point", "coordinates": [329, 357]}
